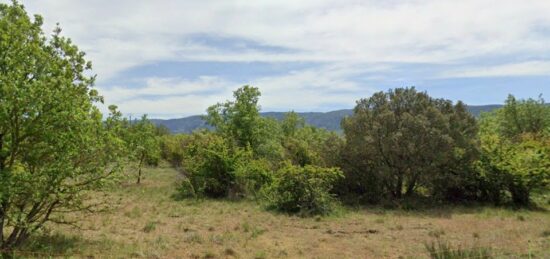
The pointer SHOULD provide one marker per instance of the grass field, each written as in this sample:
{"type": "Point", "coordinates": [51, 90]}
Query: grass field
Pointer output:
{"type": "Point", "coordinates": [149, 223]}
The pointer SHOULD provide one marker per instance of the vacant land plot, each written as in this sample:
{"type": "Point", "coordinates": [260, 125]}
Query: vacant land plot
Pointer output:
{"type": "Point", "coordinates": [149, 223]}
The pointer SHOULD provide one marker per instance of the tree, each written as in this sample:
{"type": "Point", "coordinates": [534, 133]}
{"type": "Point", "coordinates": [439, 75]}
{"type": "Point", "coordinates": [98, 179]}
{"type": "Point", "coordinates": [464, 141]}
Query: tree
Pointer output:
{"type": "Point", "coordinates": [144, 144]}
{"type": "Point", "coordinates": [239, 119]}
{"type": "Point", "coordinates": [291, 123]}
{"type": "Point", "coordinates": [400, 139]}
{"type": "Point", "coordinates": [515, 144]}
{"type": "Point", "coordinates": [524, 117]}
{"type": "Point", "coordinates": [54, 145]}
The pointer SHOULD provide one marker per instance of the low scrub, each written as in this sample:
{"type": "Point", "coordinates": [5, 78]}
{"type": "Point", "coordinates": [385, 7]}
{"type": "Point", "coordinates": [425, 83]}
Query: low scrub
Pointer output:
{"type": "Point", "coordinates": [303, 190]}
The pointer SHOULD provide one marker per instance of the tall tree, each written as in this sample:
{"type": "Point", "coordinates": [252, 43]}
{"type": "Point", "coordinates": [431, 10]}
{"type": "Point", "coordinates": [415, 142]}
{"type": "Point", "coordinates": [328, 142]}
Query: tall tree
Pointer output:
{"type": "Point", "coordinates": [239, 120]}
{"type": "Point", "coordinates": [403, 138]}
{"type": "Point", "coordinates": [54, 145]}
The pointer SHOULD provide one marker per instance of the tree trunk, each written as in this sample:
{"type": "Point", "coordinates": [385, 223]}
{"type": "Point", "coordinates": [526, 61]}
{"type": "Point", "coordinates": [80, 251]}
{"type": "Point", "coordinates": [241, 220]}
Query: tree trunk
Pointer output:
{"type": "Point", "coordinates": [398, 187]}
{"type": "Point", "coordinates": [411, 185]}
{"type": "Point", "coordinates": [139, 168]}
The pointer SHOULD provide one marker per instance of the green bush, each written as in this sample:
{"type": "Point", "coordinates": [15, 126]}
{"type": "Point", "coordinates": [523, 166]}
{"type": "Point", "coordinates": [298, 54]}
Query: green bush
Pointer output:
{"type": "Point", "coordinates": [172, 149]}
{"type": "Point", "coordinates": [252, 176]}
{"type": "Point", "coordinates": [185, 190]}
{"type": "Point", "coordinates": [210, 164]}
{"type": "Point", "coordinates": [302, 190]}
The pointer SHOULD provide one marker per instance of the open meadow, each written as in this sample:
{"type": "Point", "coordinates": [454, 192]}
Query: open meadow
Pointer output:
{"type": "Point", "coordinates": [148, 223]}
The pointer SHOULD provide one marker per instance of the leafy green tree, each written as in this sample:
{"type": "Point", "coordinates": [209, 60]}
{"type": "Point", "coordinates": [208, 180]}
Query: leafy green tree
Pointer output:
{"type": "Point", "coordinates": [144, 144]}
{"type": "Point", "coordinates": [239, 119]}
{"type": "Point", "coordinates": [401, 139]}
{"type": "Point", "coordinates": [291, 123]}
{"type": "Point", "coordinates": [54, 145]}
{"type": "Point", "coordinates": [524, 117]}
{"type": "Point", "coordinates": [515, 148]}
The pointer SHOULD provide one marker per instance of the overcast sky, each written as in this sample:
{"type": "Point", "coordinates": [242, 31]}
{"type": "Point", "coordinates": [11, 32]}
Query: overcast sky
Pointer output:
{"type": "Point", "coordinates": [175, 58]}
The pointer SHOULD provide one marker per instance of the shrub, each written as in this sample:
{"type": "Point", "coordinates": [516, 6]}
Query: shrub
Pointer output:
{"type": "Point", "coordinates": [210, 164]}
{"type": "Point", "coordinates": [252, 176]}
{"type": "Point", "coordinates": [172, 150]}
{"type": "Point", "coordinates": [185, 190]}
{"type": "Point", "coordinates": [303, 190]}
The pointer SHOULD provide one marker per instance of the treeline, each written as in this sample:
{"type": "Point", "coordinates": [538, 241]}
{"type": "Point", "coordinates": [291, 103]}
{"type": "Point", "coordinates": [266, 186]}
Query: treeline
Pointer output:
{"type": "Point", "coordinates": [397, 145]}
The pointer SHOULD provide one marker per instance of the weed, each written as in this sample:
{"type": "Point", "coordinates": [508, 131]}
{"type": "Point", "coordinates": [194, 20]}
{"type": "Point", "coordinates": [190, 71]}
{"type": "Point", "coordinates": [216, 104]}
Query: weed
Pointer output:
{"type": "Point", "coordinates": [443, 250]}
{"type": "Point", "coordinates": [150, 226]}
{"type": "Point", "coordinates": [260, 255]}
{"type": "Point", "coordinates": [246, 227]}
{"type": "Point", "coordinates": [257, 232]}
{"type": "Point", "coordinates": [193, 238]}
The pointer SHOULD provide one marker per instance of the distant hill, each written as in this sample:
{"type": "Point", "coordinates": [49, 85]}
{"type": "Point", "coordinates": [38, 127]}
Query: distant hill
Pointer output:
{"type": "Point", "coordinates": [328, 120]}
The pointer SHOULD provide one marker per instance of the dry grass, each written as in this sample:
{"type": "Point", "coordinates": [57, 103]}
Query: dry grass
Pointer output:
{"type": "Point", "coordinates": [148, 223]}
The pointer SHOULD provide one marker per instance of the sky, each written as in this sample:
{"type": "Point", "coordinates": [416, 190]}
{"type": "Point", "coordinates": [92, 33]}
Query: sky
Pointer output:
{"type": "Point", "coordinates": [171, 59]}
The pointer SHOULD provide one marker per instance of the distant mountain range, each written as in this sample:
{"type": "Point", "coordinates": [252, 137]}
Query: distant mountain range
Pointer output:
{"type": "Point", "coordinates": [328, 120]}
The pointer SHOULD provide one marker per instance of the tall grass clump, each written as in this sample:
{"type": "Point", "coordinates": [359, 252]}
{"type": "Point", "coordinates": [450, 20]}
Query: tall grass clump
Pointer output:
{"type": "Point", "coordinates": [444, 250]}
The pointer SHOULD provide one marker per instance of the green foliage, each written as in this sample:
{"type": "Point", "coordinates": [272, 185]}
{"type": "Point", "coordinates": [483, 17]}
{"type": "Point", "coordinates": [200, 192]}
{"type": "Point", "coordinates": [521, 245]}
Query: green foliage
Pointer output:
{"type": "Point", "coordinates": [171, 149]}
{"type": "Point", "coordinates": [307, 145]}
{"type": "Point", "coordinates": [253, 175]}
{"type": "Point", "coordinates": [304, 190]}
{"type": "Point", "coordinates": [238, 120]}
{"type": "Point", "coordinates": [311, 146]}
{"type": "Point", "coordinates": [402, 139]}
{"type": "Point", "coordinates": [443, 250]}
{"type": "Point", "coordinates": [54, 146]}
{"type": "Point", "coordinates": [291, 123]}
{"type": "Point", "coordinates": [143, 144]}
{"type": "Point", "coordinates": [185, 190]}
{"type": "Point", "coordinates": [515, 148]}
{"type": "Point", "coordinates": [519, 117]}
{"type": "Point", "coordinates": [215, 169]}
{"type": "Point", "coordinates": [210, 164]}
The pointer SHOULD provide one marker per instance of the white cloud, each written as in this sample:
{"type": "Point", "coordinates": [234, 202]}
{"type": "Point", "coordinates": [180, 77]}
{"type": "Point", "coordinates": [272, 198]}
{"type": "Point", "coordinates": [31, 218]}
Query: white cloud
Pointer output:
{"type": "Point", "coordinates": [169, 95]}
{"type": "Point", "coordinates": [348, 37]}
{"type": "Point", "coordinates": [532, 68]}
{"type": "Point", "coordinates": [303, 90]}
{"type": "Point", "coordinates": [122, 34]}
